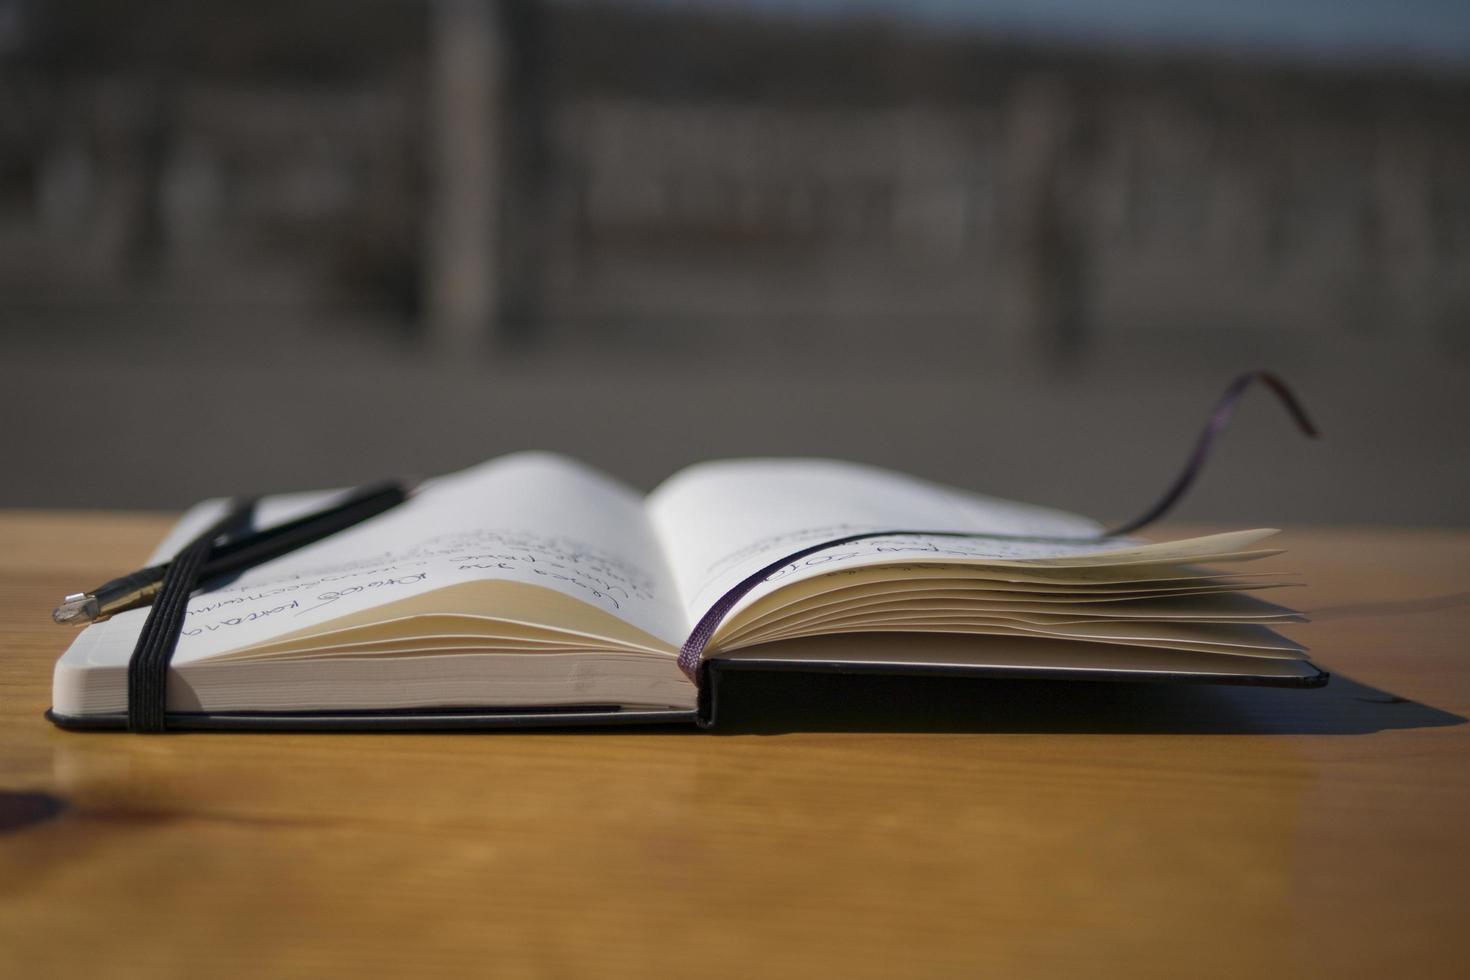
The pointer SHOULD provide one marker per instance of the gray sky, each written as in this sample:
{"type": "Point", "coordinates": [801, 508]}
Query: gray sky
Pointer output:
{"type": "Point", "coordinates": [1399, 30]}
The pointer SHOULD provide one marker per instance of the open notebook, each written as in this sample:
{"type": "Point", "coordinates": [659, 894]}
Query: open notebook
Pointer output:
{"type": "Point", "coordinates": [534, 590]}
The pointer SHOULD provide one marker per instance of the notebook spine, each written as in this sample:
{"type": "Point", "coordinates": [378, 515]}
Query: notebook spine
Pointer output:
{"type": "Point", "coordinates": [709, 695]}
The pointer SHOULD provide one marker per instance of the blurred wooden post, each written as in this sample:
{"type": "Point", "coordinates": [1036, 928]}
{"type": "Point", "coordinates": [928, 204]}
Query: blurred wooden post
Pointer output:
{"type": "Point", "coordinates": [525, 167]}
{"type": "Point", "coordinates": [1048, 252]}
{"type": "Point", "coordinates": [462, 291]}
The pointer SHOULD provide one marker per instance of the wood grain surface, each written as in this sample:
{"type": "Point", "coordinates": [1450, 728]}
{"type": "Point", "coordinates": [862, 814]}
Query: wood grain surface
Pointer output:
{"type": "Point", "coordinates": [846, 827]}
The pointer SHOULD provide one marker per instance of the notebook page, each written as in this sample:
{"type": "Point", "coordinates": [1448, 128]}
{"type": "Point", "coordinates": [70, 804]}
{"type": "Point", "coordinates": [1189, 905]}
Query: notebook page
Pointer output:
{"type": "Point", "coordinates": [719, 522]}
{"type": "Point", "coordinates": [533, 518]}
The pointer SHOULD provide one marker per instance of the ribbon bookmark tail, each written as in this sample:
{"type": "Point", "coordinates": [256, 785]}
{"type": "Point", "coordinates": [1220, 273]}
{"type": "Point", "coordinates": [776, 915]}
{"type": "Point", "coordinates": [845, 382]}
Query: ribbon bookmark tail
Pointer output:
{"type": "Point", "coordinates": [1219, 420]}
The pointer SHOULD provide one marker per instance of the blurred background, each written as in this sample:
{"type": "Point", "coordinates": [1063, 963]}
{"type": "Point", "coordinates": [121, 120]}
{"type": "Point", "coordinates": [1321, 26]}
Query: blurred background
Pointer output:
{"type": "Point", "coordinates": [1015, 246]}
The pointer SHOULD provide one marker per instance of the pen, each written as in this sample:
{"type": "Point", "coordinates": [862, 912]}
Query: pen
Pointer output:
{"type": "Point", "coordinates": [234, 554]}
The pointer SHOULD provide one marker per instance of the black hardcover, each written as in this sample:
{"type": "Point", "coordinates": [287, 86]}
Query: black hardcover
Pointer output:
{"type": "Point", "coordinates": [706, 716]}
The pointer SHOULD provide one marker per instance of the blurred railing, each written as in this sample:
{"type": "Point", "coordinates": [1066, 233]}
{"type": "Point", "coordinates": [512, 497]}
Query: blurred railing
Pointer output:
{"type": "Point", "coordinates": [568, 174]}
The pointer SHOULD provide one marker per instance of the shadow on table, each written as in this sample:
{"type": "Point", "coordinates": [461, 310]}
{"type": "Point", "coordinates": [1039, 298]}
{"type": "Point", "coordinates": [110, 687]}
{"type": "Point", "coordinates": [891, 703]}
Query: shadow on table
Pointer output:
{"type": "Point", "coordinates": [775, 703]}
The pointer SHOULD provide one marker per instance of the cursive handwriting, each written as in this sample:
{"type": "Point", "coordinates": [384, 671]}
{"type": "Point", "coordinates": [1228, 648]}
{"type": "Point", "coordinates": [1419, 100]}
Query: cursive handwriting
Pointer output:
{"type": "Point", "coordinates": [569, 564]}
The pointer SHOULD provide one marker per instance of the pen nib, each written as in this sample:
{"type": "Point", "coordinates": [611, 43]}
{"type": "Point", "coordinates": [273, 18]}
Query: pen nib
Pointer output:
{"type": "Point", "coordinates": [76, 609]}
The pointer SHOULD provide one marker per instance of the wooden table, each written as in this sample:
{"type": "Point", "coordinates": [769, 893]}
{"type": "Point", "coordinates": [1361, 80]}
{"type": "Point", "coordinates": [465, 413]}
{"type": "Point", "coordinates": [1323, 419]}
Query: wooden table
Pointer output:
{"type": "Point", "coordinates": [958, 831]}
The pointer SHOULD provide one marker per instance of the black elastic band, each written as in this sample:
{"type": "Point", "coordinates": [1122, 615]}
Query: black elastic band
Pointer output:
{"type": "Point", "coordinates": [148, 667]}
